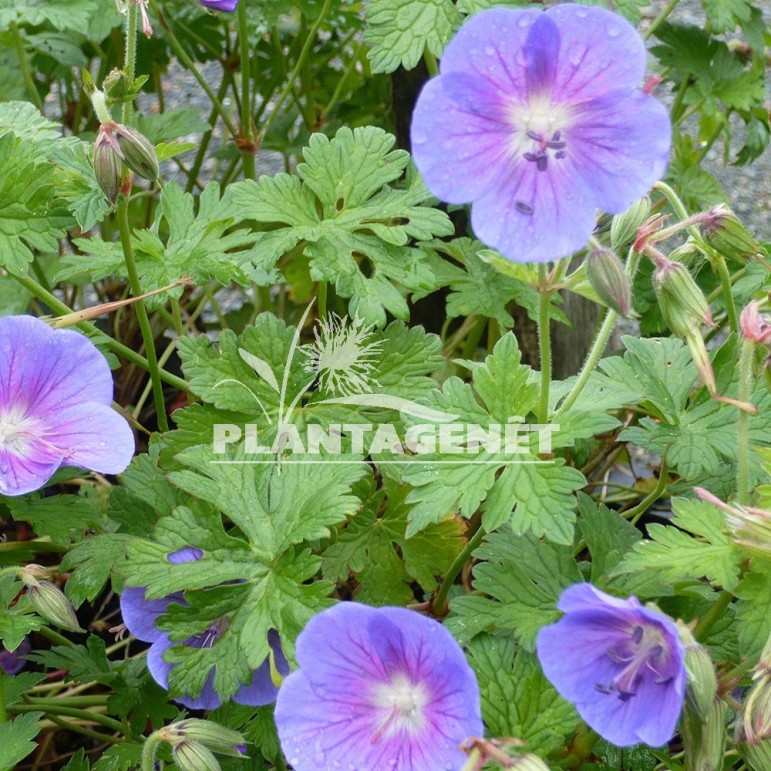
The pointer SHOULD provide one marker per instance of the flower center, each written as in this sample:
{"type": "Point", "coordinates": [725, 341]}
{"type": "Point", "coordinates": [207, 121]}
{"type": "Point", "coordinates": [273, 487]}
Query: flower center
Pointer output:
{"type": "Point", "coordinates": [643, 651]}
{"type": "Point", "coordinates": [539, 136]}
{"type": "Point", "coordinates": [210, 636]}
{"type": "Point", "coordinates": [401, 704]}
{"type": "Point", "coordinates": [16, 430]}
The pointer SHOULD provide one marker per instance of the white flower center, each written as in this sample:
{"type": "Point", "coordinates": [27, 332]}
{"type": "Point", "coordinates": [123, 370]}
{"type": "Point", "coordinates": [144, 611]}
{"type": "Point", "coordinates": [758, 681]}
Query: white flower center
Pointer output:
{"type": "Point", "coordinates": [402, 704]}
{"type": "Point", "coordinates": [16, 430]}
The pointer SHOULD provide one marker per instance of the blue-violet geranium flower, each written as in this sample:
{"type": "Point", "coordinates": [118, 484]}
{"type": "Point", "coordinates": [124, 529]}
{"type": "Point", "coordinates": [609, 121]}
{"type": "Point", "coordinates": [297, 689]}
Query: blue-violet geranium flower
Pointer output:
{"type": "Point", "coordinates": [140, 617]}
{"type": "Point", "coordinates": [537, 120]}
{"type": "Point", "coordinates": [220, 5]}
{"type": "Point", "coordinates": [621, 664]}
{"type": "Point", "coordinates": [377, 688]}
{"type": "Point", "coordinates": [55, 406]}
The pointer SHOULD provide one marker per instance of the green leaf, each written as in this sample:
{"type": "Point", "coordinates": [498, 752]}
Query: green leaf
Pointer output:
{"type": "Point", "coordinates": [537, 492]}
{"type": "Point", "coordinates": [17, 619]}
{"type": "Point", "coordinates": [398, 31]}
{"type": "Point", "coordinates": [373, 546]}
{"type": "Point", "coordinates": [71, 15]}
{"type": "Point", "coordinates": [517, 700]}
{"type": "Point", "coordinates": [695, 545]}
{"type": "Point", "coordinates": [754, 613]}
{"type": "Point", "coordinates": [16, 739]}
{"type": "Point", "coordinates": [354, 227]}
{"type": "Point", "coordinates": [476, 286]}
{"type": "Point", "coordinates": [84, 662]}
{"type": "Point", "coordinates": [726, 15]}
{"type": "Point", "coordinates": [523, 578]}
{"type": "Point", "coordinates": [172, 124]}
{"type": "Point", "coordinates": [30, 218]}
{"type": "Point", "coordinates": [91, 563]}
{"type": "Point", "coordinates": [63, 518]}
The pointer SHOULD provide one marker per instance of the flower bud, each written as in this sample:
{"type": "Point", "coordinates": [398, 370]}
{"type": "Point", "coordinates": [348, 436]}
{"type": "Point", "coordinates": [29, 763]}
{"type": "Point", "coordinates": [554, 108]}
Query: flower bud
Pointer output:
{"type": "Point", "coordinates": [764, 664]}
{"type": "Point", "coordinates": [704, 740]}
{"type": "Point", "coordinates": [214, 736]}
{"type": "Point", "coordinates": [756, 725]}
{"type": "Point", "coordinates": [107, 165]}
{"type": "Point", "coordinates": [609, 280]}
{"type": "Point", "coordinates": [48, 601]}
{"type": "Point", "coordinates": [623, 227]}
{"type": "Point", "coordinates": [137, 152]}
{"type": "Point", "coordinates": [721, 230]}
{"type": "Point", "coordinates": [754, 326]}
{"type": "Point", "coordinates": [682, 303]}
{"type": "Point", "coordinates": [750, 528]}
{"type": "Point", "coordinates": [194, 756]}
{"type": "Point", "coordinates": [701, 681]}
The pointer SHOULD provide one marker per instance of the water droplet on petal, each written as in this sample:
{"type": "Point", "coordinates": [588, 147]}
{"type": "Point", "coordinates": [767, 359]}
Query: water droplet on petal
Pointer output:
{"type": "Point", "coordinates": [613, 30]}
{"type": "Point", "coordinates": [489, 50]}
{"type": "Point", "coordinates": [524, 21]}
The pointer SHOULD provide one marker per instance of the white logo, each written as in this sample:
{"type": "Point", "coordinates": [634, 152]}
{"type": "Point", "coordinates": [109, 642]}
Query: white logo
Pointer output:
{"type": "Point", "coordinates": [343, 361]}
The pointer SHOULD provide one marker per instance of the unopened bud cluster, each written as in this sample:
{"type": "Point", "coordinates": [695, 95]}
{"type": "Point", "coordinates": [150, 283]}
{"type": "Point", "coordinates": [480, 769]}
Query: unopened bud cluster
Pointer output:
{"type": "Point", "coordinates": [116, 145]}
{"type": "Point", "coordinates": [194, 742]}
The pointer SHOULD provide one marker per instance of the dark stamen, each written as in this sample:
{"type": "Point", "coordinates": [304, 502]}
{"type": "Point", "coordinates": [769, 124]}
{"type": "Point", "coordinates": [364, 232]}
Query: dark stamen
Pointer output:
{"type": "Point", "coordinates": [637, 635]}
{"type": "Point", "coordinates": [603, 688]}
{"type": "Point", "coordinates": [556, 145]}
{"type": "Point", "coordinates": [625, 695]}
{"type": "Point", "coordinates": [555, 137]}
{"type": "Point", "coordinates": [559, 154]}
{"type": "Point", "coordinates": [541, 162]}
{"type": "Point", "coordinates": [534, 135]}
{"type": "Point", "coordinates": [523, 207]}
{"type": "Point", "coordinates": [532, 156]}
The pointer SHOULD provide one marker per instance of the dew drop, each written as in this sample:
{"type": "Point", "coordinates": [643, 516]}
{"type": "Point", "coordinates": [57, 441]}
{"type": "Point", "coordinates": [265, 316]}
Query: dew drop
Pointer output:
{"type": "Point", "coordinates": [613, 30]}
{"type": "Point", "coordinates": [524, 21]}
{"type": "Point", "coordinates": [489, 50]}
{"type": "Point", "coordinates": [582, 13]}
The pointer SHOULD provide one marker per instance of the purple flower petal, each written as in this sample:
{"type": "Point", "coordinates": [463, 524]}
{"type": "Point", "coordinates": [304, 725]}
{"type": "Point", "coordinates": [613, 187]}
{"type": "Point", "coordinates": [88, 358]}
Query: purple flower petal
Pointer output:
{"type": "Point", "coordinates": [160, 670]}
{"type": "Point", "coordinates": [55, 397]}
{"type": "Point", "coordinates": [220, 5]}
{"type": "Point", "coordinates": [262, 689]}
{"type": "Point", "coordinates": [140, 615]}
{"type": "Point", "coordinates": [12, 662]}
{"type": "Point", "coordinates": [185, 554]}
{"type": "Point", "coordinates": [94, 436]}
{"type": "Point", "coordinates": [537, 121]}
{"type": "Point", "coordinates": [377, 688]}
{"type": "Point", "coordinates": [622, 665]}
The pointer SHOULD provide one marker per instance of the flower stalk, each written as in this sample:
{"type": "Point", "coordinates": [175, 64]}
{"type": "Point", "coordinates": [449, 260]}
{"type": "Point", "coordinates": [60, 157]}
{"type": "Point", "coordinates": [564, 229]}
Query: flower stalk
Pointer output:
{"type": "Point", "coordinates": [544, 340]}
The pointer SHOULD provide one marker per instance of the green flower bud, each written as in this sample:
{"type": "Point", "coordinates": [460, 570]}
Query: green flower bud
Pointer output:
{"type": "Point", "coordinates": [682, 303]}
{"type": "Point", "coordinates": [701, 681]}
{"type": "Point", "coordinates": [216, 737]}
{"type": "Point", "coordinates": [704, 740]}
{"type": "Point", "coordinates": [48, 601]}
{"type": "Point", "coordinates": [194, 756]}
{"type": "Point", "coordinates": [107, 166]}
{"type": "Point", "coordinates": [624, 226]}
{"type": "Point", "coordinates": [609, 280]}
{"type": "Point", "coordinates": [137, 152]}
{"type": "Point", "coordinates": [721, 229]}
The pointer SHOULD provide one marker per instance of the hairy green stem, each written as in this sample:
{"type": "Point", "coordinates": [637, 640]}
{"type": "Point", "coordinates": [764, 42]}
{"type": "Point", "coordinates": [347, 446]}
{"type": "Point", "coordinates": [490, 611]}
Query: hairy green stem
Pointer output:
{"type": "Point", "coordinates": [662, 17]}
{"type": "Point", "coordinates": [743, 491]}
{"type": "Point", "coordinates": [130, 60]}
{"type": "Point", "coordinates": [142, 317]}
{"type": "Point", "coordinates": [322, 300]}
{"type": "Point", "coordinates": [26, 72]}
{"type": "Point", "coordinates": [148, 752]}
{"type": "Point", "coordinates": [55, 637]}
{"type": "Point", "coordinates": [544, 341]}
{"type": "Point", "coordinates": [247, 146]}
{"type": "Point", "coordinates": [79, 729]}
{"type": "Point", "coordinates": [440, 601]}
{"type": "Point", "coordinates": [189, 64]}
{"type": "Point", "coordinates": [728, 297]}
{"type": "Point", "coordinates": [598, 346]}
{"type": "Point", "coordinates": [304, 52]}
